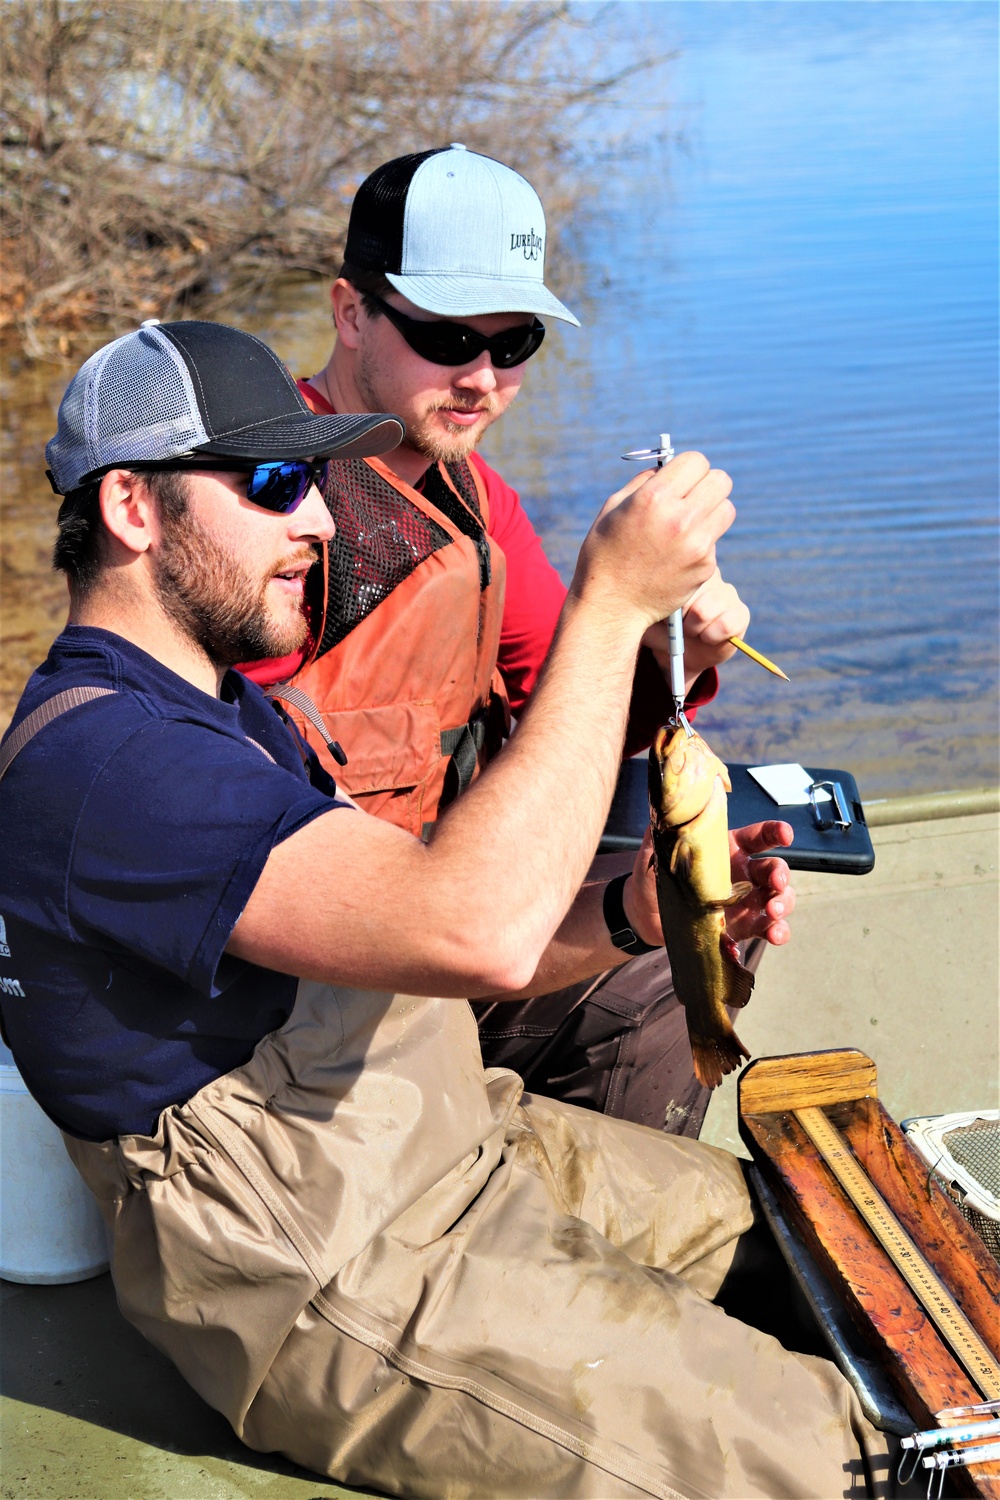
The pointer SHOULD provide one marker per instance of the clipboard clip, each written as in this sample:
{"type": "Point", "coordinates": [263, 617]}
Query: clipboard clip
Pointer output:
{"type": "Point", "coordinates": [841, 814]}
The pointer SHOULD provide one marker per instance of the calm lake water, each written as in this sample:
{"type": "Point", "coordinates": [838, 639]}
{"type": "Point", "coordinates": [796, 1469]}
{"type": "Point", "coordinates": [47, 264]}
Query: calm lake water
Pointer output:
{"type": "Point", "coordinates": [795, 272]}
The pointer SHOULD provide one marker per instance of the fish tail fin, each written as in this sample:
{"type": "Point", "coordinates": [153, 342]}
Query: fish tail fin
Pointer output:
{"type": "Point", "coordinates": [714, 1057]}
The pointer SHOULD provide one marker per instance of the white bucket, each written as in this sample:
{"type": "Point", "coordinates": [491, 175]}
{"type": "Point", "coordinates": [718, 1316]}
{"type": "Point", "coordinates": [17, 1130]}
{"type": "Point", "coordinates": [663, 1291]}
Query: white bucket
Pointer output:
{"type": "Point", "coordinates": [51, 1229]}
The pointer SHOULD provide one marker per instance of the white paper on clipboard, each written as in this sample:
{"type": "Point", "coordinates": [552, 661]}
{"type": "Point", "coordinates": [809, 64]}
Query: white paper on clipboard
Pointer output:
{"type": "Point", "coordinates": [787, 785]}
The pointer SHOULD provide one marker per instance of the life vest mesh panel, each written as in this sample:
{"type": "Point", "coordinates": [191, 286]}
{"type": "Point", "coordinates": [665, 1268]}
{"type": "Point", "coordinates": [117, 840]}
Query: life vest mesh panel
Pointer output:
{"type": "Point", "coordinates": [438, 493]}
{"type": "Point", "coordinates": [381, 537]}
{"type": "Point", "coordinates": [460, 474]}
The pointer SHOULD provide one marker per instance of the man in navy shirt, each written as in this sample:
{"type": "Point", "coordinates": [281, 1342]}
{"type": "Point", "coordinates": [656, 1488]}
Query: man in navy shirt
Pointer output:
{"type": "Point", "coordinates": [226, 986]}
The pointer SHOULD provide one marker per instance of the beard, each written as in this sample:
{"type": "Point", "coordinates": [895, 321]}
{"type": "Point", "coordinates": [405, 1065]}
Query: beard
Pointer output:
{"type": "Point", "coordinates": [216, 600]}
{"type": "Point", "coordinates": [455, 442]}
{"type": "Point", "coordinates": [424, 435]}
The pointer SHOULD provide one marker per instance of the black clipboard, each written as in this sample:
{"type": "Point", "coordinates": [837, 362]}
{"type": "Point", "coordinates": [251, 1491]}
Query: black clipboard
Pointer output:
{"type": "Point", "coordinates": [829, 836]}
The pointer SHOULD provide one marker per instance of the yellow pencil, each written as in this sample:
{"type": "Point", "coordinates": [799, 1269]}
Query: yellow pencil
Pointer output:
{"type": "Point", "coordinates": [734, 640]}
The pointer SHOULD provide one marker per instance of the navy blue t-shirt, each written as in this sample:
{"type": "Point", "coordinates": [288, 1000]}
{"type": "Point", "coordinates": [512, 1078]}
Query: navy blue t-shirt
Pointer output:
{"type": "Point", "coordinates": [134, 830]}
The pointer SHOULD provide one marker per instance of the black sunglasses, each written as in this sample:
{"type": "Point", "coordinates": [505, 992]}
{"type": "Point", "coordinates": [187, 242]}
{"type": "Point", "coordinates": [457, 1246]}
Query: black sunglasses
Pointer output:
{"type": "Point", "coordinates": [277, 486]}
{"type": "Point", "coordinates": [445, 343]}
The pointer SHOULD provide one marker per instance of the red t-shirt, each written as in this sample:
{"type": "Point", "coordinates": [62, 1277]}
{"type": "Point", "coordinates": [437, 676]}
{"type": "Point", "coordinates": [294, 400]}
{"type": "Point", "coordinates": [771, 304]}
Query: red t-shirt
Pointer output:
{"type": "Point", "coordinates": [532, 602]}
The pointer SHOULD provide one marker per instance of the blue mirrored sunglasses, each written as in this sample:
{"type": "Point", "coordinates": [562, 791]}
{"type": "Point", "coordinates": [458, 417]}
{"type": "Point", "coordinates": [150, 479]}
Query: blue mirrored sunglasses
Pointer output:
{"type": "Point", "coordinates": [277, 486]}
{"type": "Point", "coordinates": [281, 487]}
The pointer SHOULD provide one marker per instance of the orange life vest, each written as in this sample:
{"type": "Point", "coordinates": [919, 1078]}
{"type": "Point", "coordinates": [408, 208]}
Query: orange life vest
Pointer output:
{"type": "Point", "coordinates": [404, 670]}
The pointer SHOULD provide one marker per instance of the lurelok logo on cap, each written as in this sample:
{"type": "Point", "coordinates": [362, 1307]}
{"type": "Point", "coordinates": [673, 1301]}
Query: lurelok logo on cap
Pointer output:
{"type": "Point", "coordinates": [530, 244]}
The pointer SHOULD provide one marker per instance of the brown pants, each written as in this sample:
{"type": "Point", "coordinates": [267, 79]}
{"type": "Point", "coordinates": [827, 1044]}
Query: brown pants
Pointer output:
{"type": "Point", "coordinates": [400, 1272]}
{"type": "Point", "coordinates": [617, 1043]}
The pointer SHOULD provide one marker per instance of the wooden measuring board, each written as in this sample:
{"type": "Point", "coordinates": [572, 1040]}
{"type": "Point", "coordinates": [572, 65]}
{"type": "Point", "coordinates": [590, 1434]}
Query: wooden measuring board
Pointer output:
{"type": "Point", "coordinates": [917, 1281]}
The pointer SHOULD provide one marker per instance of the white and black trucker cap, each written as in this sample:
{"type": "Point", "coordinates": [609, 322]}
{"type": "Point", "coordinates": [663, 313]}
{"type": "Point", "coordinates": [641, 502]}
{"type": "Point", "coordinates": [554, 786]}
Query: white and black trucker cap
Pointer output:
{"type": "Point", "coordinates": [173, 390]}
{"type": "Point", "coordinates": [457, 233]}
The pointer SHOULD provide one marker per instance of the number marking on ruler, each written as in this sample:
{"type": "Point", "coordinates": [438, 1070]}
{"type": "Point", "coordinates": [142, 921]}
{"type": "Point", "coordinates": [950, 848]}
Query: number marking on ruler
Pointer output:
{"type": "Point", "coordinates": [923, 1281]}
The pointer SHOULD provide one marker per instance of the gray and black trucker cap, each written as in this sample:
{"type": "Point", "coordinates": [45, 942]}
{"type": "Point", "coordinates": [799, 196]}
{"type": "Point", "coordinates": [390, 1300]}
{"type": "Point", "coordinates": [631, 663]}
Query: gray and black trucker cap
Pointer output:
{"type": "Point", "coordinates": [457, 233]}
{"type": "Point", "coordinates": [172, 390]}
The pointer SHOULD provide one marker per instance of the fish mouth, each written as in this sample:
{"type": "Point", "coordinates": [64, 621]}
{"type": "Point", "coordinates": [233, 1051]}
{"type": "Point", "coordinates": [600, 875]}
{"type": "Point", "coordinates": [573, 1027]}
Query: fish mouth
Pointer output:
{"type": "Point", "coordinates": [682, 775]}
{"type": "Point", "coordinates": [662, 738]}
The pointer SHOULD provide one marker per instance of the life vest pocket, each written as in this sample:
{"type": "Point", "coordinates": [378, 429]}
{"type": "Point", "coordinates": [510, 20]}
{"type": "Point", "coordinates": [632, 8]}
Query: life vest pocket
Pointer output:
{"type": "Point", "coordinates": [389, 748]}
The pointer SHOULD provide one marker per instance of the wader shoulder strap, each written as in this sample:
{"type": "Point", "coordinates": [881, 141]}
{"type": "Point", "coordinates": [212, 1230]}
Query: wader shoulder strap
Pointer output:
{"type": "Point", "coordinates": [54, 708]}
{"type": "Point", "coordinates": [305, 705]}
{"type": "Point", "coordinates": [51, 709]}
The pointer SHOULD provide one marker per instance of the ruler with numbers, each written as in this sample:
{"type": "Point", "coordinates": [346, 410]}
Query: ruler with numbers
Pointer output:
{"type": "Point", "coordinates": [922, 1280]}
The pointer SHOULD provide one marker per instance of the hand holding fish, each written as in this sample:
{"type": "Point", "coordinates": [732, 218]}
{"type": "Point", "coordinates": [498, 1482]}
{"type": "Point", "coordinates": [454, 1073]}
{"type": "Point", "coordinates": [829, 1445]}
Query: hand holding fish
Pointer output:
{"type": "Point", "coordinates": [653, 545]}
{"type": "Point", "coordinates": [763, 910]}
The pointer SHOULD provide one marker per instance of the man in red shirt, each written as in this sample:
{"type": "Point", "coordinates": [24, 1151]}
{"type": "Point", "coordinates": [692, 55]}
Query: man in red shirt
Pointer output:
{"type": "Point", "coordinates": [437, 605]}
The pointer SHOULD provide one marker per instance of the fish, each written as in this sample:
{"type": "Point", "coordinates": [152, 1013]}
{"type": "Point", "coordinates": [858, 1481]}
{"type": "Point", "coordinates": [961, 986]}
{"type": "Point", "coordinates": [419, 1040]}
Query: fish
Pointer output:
{"type": "Point", "coordinates": [688, 812]}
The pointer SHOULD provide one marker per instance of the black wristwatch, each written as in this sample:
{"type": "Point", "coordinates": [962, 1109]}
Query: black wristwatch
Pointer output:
{"type": "Point", "coordinates": [614, 914]}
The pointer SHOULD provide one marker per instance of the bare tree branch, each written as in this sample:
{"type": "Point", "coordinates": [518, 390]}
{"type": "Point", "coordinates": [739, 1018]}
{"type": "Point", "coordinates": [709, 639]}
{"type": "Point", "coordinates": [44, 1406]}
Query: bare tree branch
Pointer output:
{"type": "Point", "coordinates": [170, 156]}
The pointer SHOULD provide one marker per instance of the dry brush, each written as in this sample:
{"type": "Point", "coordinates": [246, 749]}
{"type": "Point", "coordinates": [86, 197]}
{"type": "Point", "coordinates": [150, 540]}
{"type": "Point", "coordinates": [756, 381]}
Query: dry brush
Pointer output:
{"type": "Point", "coordinates": [167, 157]}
